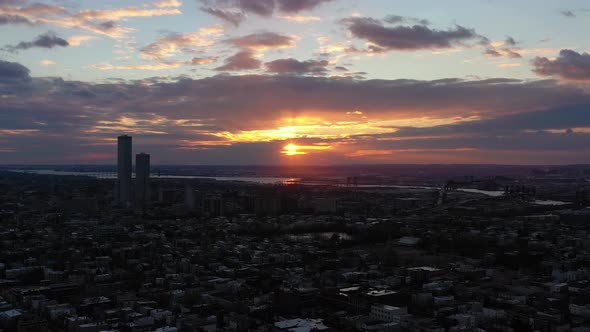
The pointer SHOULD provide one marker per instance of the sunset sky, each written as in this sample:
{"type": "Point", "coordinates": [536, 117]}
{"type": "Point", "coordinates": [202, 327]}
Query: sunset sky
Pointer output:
{"type": "Point", "coordinates": [296, 81]}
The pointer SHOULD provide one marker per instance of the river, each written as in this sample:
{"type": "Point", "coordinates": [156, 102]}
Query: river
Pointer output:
{"type": "Point", "coordinates": [267, 180]}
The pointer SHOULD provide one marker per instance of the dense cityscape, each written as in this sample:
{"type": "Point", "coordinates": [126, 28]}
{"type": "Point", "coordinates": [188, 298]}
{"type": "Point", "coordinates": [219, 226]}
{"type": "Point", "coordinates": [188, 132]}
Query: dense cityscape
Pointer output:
{"type": "Point", "coordinates": [322, 253]}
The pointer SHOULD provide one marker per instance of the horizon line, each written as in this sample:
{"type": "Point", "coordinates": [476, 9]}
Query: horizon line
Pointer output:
{"type": "Point", "coordinates": [315, 165]}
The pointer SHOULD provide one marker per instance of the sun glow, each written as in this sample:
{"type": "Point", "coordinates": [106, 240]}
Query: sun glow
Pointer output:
{"type": "Point", "coordinates": [292, 150]}
{"type": "Point", "coordinates": [353, 124]}
{"type": "Point", "coordinates": [295, 150]}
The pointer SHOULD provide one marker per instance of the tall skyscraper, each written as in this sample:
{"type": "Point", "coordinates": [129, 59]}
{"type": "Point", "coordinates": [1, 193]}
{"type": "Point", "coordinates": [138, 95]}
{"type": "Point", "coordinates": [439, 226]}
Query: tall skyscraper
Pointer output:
{"type": "Point", "coordinates": [124, 169]}
{"type": "Point", "coordinates": [142, 179]}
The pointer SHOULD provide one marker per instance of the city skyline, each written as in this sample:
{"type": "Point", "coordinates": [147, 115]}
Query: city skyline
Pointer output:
{"type": "Point", "coordinates": [142, 179]}
{"type": "Point", "coordinates": [315, 82]}
{"type": "Point", "coordinates": [123, 193]}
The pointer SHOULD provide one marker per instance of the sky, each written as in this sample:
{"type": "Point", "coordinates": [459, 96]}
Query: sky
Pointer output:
{"type": "Point", "coordinates": [296, 82]}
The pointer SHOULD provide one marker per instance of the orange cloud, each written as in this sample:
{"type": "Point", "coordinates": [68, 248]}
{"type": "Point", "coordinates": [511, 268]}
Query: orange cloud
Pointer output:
{"type": "Point", "coordinates": [171, 45]}
{"type": "Point", "coordinates": [122, 13]}
{"type": "Point", "coordinates": [47, 62]}
{"type": "Point", "coordinates": [264, 41]}
{"type": "Point", "coordinates": [197, 145]}
{"type": "Point", "coordinates": [300, 19]}
{"type": "Point", "coordinates": [18, 131]}
{"type": "Point", "coordinates": [156, 66]}
{"type": "Point", "coordinates": [203, 61]}
{"type": "Point", "coordinates": [168, 3]}
{"type": "Point", "coordinates": [364, 153]}
{"type": "Point", "coordinates": [103, 22]}
{"type": "Point", "coordinates": [80, 39]}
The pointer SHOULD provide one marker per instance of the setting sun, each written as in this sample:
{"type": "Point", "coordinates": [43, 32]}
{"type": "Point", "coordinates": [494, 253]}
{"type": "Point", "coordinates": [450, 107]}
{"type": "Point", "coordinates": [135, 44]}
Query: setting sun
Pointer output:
{"type": "Point", "coordinates": [294, 150]}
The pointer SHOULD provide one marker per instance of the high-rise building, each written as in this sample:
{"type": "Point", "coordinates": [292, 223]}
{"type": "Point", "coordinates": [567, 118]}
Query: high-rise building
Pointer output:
{"type": "Point", "coordinates": [124, 169]}
{"type": "Point", "coordinates": [142, 179]}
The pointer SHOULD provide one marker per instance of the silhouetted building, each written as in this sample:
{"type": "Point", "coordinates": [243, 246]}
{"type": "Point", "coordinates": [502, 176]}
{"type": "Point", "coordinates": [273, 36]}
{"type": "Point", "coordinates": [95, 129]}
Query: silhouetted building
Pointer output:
{"type": "Point", "coordinates": [213, 205]}
{"type": "Point", "coordinates": [124, 168]}
{"type": "Point", "coordinates": [142, 179]}
{"type": "Point", "coordinates": [170, 195]}
{"type": "Point", "coordinates": [192, 197]}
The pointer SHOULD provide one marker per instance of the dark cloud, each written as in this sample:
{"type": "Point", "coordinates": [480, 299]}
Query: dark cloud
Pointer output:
{"type": "Point", "coordinates": [11, 72]}
{"type": "Point", "coordinates": [240, 61]}
{"type": "Point", "coordinates": [47, 40]}
{"type": "Point", "coordinates": [510, 41]}
{"type": "Point", "coordinates": [568, 13]}
{"type": "Point", "coordinates": [263, 40]}
{"type": "Point", "coordinates": [14, 80]}
{"type": "Point", "coordinates": [570, 65]}
{"type": "Point", "coordinates": [260, 97]}
{"type": "Point", "coordinates": [230, 16]}
{"type": "Point", "coordinates": [294, 6]}
{"type": "Point", "coordinates": [261, 7]}
{"type": "Point", "coordinates": [369, 49]}
{"type": "Point", "coordinates": [173, 118]}
{"type": "Point", "coordinates": [257, 98]}
{"type": "Point", "coordinates": [407, 38]}
{"type": "Point", "coordinates": [493, 53]}
{"type": "Point", "coordinates": [294, 66]}
{"type": "Point", "coordinates": [562, 118]}
{"type": "Point", "coordinates": [550, 132]}
{"type": "Point", "coordinates": [507, 50]}
{"type": "Point", "coordinates": [14, 19]}
{"type": "Point", "coordinates": [107, 26]}
{"type": "Point", "coordinates": [395, 19]}
{"type": "Point", "coordinates": [512, 54]}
